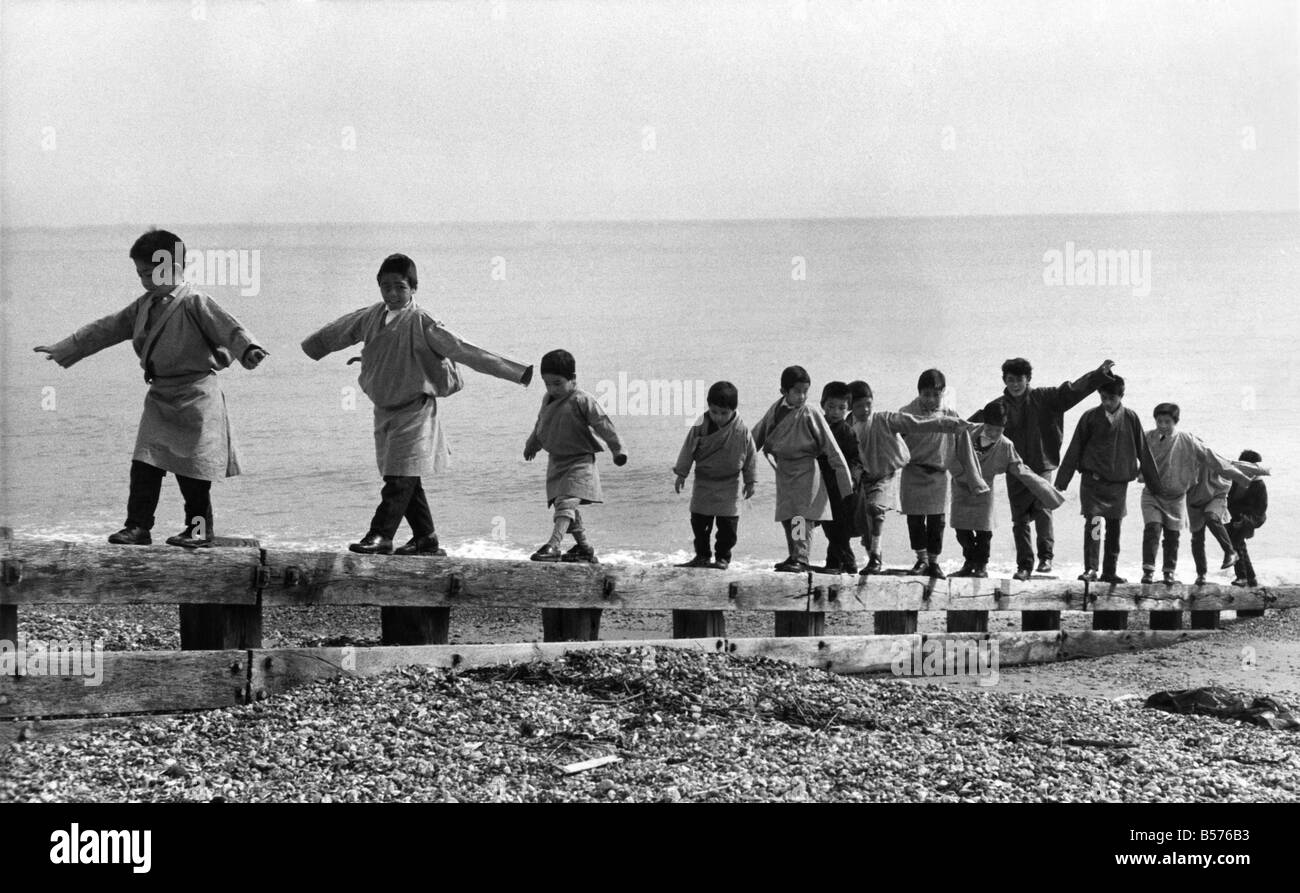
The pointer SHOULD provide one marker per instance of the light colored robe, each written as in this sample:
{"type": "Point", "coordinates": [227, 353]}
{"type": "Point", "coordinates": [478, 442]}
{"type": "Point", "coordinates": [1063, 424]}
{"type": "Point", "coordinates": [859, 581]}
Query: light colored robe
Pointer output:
{"type": "Point", "coordinates": [184, 427]}
{"type": "Point", "coordinates": [971, 511]}
{"type": "Point", "coordinates": [923, 487]}
{"type": "Point", "coordinates": [564, 429]}
{"type": "Point", "coordinates": [883, 451]}
{"type": "Point", "coordinates": [795, 442]}
{"type": "Point", "coordinates": [397, 370]}
{"type": "Point", "coordinates": [1180, 458]}
{"type": "Point", "coordinates": [722, 460]}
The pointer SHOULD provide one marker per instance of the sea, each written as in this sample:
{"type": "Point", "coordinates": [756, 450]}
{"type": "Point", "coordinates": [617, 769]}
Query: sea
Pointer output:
{"type": "Point", "coordinates": [1197, 309]}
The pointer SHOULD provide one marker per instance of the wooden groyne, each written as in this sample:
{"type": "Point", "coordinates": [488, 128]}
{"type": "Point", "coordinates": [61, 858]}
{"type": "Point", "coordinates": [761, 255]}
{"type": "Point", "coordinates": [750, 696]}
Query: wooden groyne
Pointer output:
{"type": "Point", "coordinates": [223, 591]}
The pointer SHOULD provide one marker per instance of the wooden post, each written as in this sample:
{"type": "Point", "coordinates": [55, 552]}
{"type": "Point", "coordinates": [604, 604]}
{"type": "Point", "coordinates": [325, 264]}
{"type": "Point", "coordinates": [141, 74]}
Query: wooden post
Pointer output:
{"type": "Point", "coordinates": [968, 621]}
{"type": "Point", "coordinates": [570, 624]}
{"type": "Point", "coordinates": [800, 623]}
{"type": "Point", "coordinates": [1110, 619]}
{"type": "Point", "coordinates": [894, 623]}
{"type": "Point", "coordinates": [1205, 620]}
{"type": "Point", "coordinates": [699, 624]}
{"type": "Point", "coordinates": [222, 627]}
{"type": "Point", "coordinates": [1040, 620]}
{"type": "Point", "coordinates": [9, 623]}
{"type": "Point", "coordinates": [414, 626]}
{"type": "Point", "coordinates": [1250, 612]}
{"type": "Point", "coordinates": [1166, 619]}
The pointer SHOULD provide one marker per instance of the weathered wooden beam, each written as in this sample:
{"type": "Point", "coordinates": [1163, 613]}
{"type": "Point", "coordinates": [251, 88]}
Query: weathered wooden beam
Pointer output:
{"type": "Point", "coordinates": [1098, 643]}
{"type": "Point", "coordinates": [132, 682]}
{"type": "Point", "coordinates": [57, 572]}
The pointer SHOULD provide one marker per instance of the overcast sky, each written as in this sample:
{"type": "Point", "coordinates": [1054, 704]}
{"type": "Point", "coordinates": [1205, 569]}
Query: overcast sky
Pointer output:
{"type": "Point", "coordinates": [248, 112]}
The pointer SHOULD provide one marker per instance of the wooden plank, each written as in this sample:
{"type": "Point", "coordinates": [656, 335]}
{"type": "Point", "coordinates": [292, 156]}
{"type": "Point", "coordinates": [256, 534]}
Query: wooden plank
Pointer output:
{"type": "Point", "coordinates": [60, 572]}
{"type": "Point", "coordinates": [1099, 643]}
{"type": "Point", "coordinates": [220, 627]}
{"type": "Point", "coordinates": [31, 729]}
{"type": "Point", "coordinates": [278, 670]}
{"type": "Point", "coordinates": [133, 682]}
{"type": "Point", "coordinates": [839, 654]}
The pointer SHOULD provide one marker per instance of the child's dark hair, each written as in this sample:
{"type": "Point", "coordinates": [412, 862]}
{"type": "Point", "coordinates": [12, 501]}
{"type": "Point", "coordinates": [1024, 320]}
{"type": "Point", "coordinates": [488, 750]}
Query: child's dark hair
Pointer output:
{"type": "Point", "coordinates": [1113, 386]}
{"type": "Point", "coordinates": [793, 375]}
{"type": "Point", "coordinates": [836, 390]}
{"type": "Point", "coordinates": [1250, 456]}
{"type": "Point", "coordinates": [724, 394]}
{"type": "Point", "coordinates": [1018, 366]}
{"type": "Point", "coordinates": [147, 246]}
{"type": "Point", "coordinates": [859, 389]}
{"type": "Point", "coordinates": [931, 378]}
{"type": "Point", "coordinates": [402, 266]}
{"type": "Point", "coordinates": [1169, 409]}
{"type": "Point", "coordinates": [559, 362]}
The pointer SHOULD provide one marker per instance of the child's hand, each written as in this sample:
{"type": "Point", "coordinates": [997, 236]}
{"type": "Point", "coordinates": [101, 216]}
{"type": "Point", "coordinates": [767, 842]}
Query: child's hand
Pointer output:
{"type": "Point", "coordinates": [529, 453]}
{"type": "Point", "coordinates": [252, 357]}
{"type": "Point", "coordinates": [620, 459]}
{"type": "Point", "coordinates": [677, 486]}
{"type": "Point", "coordinates": [49, 354]}
{"type": "Point", "coordinates": [749, 490]}
{"type": "Point", "coordinates": [1106, 367]}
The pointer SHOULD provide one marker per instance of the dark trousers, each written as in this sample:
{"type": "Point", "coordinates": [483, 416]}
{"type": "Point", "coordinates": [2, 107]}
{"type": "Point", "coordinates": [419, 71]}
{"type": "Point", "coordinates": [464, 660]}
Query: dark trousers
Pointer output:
{"type": "Point", "coordinates": [1220, 533]}
{"type": "Point", "coordinates": [1021, 518]}
{"type": "Point", "coordinates": [1151, 538]}
{"type": "Point", "coordinates": [702, 525]}
{"type": "Point", "coordinates": [1240, 531]}
{"type": "Point", "coordinates": [975, 546]}
{"type": "Point", "coordinates": [1092, 543]}
{"type": "Point", "coordinates": [839, 543]}
{"type": "Point", "coordinates": [146, 488]}
{"type": "Point", "coordinates": [402, 497]}
{"type": "Point", "coordinates": [926, 532]}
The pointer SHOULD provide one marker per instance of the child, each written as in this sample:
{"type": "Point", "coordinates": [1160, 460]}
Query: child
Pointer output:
{"type": "Point", "coordinates": [1108, 450]}
{"type": "Point", "coordinates": [796, 434]}
{"type": "Point", "coordinates": [882, 453]}
{"type": "Point", "coordinates": [923, 488]}
{"type": "Point", "coordinates": [1035, 425]}
{"type": "Point", "coordinates": [183, 339]}
{"type": "Point", "coordinates": [723, 453]}
{"type": "Point", "coordinates": [407, 363]}
{"type": "Point", "coordinates": [564, 425]}
{"type": "Point", "coordinates": [1179, 458]}
{"type": "Point", "coordinates": [1207, 509]}
{"type": "Point", "coordinates": [972, 514]}
{"type": "Point", "coordinates": [1248, 506]}
{"type": "Point", "coordinates": [839, 530]}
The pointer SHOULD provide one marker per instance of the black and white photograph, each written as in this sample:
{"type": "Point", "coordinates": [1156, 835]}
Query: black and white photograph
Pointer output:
{"type": "Point", "coordinates": [824, 402]}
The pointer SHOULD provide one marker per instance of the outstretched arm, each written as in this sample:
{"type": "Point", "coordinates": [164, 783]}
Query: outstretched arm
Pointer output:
{"type": "Point", "coordinates": [222, 329]}
{"type": "Point", "coordinates": [342, 333]}
{"type": "Point", "coordinates": [93, 337]}
{"type": "Point", "coordinates": [452, 346]}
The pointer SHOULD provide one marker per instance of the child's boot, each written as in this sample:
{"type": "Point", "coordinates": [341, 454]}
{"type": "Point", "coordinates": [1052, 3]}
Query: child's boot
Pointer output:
{"type": "Point", "coordinates": [922, 564]}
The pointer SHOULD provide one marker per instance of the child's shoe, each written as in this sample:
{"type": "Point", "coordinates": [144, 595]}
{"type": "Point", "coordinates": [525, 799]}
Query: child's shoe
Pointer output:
{"type": "Point", "coordinates": [1200, 580]}
{"type": "Point", "coordinates": [979, 571]}
{"type": "Point", "coordinates": [697, 561]}
{"type": "Point", "coordinates": [874, 566]}
{"type": "Point", "coordinates": [581, 552]}
{"type": "Point", "coordinates": [919, 569]}
{"type": "Point", "coordinates": [827, 569]}
{"type": "Point", "coordinates": [1168, 578]}
{"type": "Point", "coordinates": [1025, 573]}
{"type": "Point", "coordinates": [849, 568]}
{"type": "Point", "coordinates": [373, 544]}
{"type": "Point", "coordinates": [1148, 576]}
{"type": "Point", "coordinates": [934, 572]}
{"type": "Point", "coordinates": [1088, 576]}
{"type": "Point", "coordinates": [1044, 566]}
{"type": "Point", "coordinates": [965, 570]}
{"type": "Point", "coordinates": [546, 553]}
{"type": "Point", "coordinates": [421, 545]}
{"type": "Point", "coordinates": [1229, 559]}
{"type": "Point", "coordinates": [1112, 578]}
{"type": "Point", "coordinates": [791, 566]}
{"type": "Point", "coordinates": [721, 564]}
{"type": "Point", "coordinates": [131, 536]}
{"type": "Point", "coordinates": [186, 540]}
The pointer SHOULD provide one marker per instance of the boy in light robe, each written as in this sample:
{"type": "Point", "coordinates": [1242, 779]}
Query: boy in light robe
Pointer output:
{"type": "Point", "coordinates": [923, 487]}
{"type": "Point", "coordinates": [839, 530]}
{"type": "Point", "coordinates": [1248, 507]}
{"type": "Point", "coordinates": [404, 369]}
{"type": "Point", "coordinates": [1108, 450]}
{"type": "Point", "coordinates": [1179, 458]}
{"type": "Point", "coordinates": [1207, 510]}
{"type": "Point", "coordinates": [564, 429]}
{"type": "Point", "coordinates": [971, 515]}
{"type": "Point", "coordinates": [795, 434]}
{"type": "Point", "coordinates": [183, 338]}
{"type": "Point", "coordinates": [720, 448]}
{"type": "Point", "coordinates": [883, 452]}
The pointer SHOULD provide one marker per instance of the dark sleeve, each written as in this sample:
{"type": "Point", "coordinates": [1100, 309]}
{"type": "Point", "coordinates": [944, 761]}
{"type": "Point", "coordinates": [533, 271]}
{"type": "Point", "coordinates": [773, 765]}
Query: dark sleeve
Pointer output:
{"type": "Point", "coordinates": [1070, 463]}
{"type": "Point", "coordinates": [1150, 474]}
